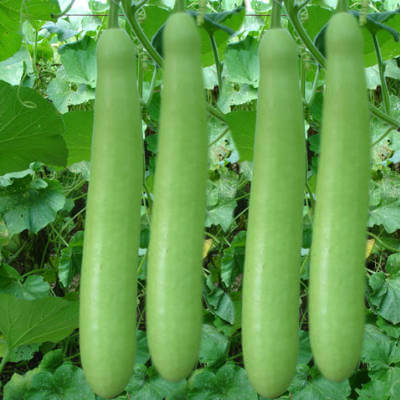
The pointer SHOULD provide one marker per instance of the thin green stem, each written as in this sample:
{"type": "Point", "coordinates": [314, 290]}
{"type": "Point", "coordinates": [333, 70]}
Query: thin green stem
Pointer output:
{"type": "Point", "coordinates": [218, 64]}
{"type": "Point", "coordinates": [215, 112]}
{"type": "Point", "coordinates": [140, 266]}
{"type": "Point", "coordinates": [314, 86]}
{"type": "Point", "coordinates": [34, 58]}
{"type": "Point", "coordinates": [341, 6]}
{"type": "Point", "coordinates": [17, 253]}
{"type": "Point", "coordinates": [381, 67]}
{"type": "Point", "coordinates": [383, 116]}
{"type": "Point", "coordinates": [310, 193]}
{"type": "Point", "coordinates": [138, 31]}
{"type": "Point", "coordinates": [292, 13]}
{"type": "Point", "coordinates": [276, 14]}
{"type": "Point", "coordinates": [179, 6]}
{"type": "Point", "coordinates": [383, 136]}
{"type": "Point", "coordinates": [152, 84]}
{"type": "Point", "coordinates": [385, 245]}
{"type": "Point", "coordinates": [62, 13]}
{"type": "Point", "coordinates": [216, 240]}
{"type": "Point", "coordinates": [143, 39]}
{"type": "Point", "coordinates": [148, 196]}
{"type": "Point", "coordinates": [226, 130]}
{"type": "Point", "coordinates": [303, 264]}
{"type": "Point", "coordinates": [113, 14]}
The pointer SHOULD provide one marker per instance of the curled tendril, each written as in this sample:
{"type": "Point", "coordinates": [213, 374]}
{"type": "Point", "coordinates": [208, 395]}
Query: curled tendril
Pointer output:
{"type": "Point", "coordinates": [24, 103]}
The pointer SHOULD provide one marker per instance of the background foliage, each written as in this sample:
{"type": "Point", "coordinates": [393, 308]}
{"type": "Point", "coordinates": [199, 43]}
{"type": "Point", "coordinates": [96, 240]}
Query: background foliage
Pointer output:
{"type": "Point", "coordinates": [47, 89]}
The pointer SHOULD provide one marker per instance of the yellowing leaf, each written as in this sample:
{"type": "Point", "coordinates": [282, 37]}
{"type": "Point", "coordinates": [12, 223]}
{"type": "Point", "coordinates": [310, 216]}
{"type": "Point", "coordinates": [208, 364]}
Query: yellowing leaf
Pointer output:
{"type": "Point", "coordinates": [207, 246]}
{"type": "Point", "coordinates": [370, 246]}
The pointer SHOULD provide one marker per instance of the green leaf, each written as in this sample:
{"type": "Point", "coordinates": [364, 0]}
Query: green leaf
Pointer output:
{"type": "Point", "coordinates": [60, 92]}
{"type": "Point", "coordinates": [154, 17]}
{"type": "Point", "coordinates": [233, 260]}
{"type": "Point", "coordinates": [10, 35]}
{"type": "Point", "coordinates": [146, 384]}
{"type": "Point", "coordinates": [38, 9]}
{"type": "Point", "coordinates": [221, 215]}
{"type": "Point", "coordinates": [31, 133]}
{"type": "Point", "coordinates": [241, 62]}
{"type": "Point", "coordinates": [29, 203]}
{"type": "Point", "coordinates": [300, 379]}
{"type": "Point", "coordinates": [305, 355]}
{"type": "Point", "coordinates": [49, 319]}
{"type": "Point", "coordinates": [34, 286]}
{"type": "Point", "coordinates": [12, 69]}
{"type": "Point", "coordinates": [242, 125]}
{"type": "Point", "coordinates": [391, 330]}
{"type": "Point", "coordinates": [142, 351]}
{"type": "Point", "coordinates": [71, 258]}
{"type": "Point", "coordinates": [379, 351]}
{"type": "Point", "coordinates": [79, 61]}
{"type": "Point", "coordinates": [385, 199]}
{"type": "Point", "coordinates": [213, 346]}
{"type": "Point", "coordinates": [221, 199]}
{"type": "Point", "coordinates": [21, 353]}
{"type": "Point", "coordinates": [315, 19]}
{"type": "Point", "coordinates": [384, 385]}
{"type": "Point", "coordinates": [78, 135]}
{"type": "Point", "coordinates": [229, 383]}
{"type": "Point", "coordinates": [235, 94]}
{"type": "Point", "coordinates": [18, 385]}
{"type": "Point", "coordinates": [393, 264]}
{"type": "Point", "coordinates": [385, 296]}
{"type": "Point", "coordinates": [220, 25]}
{"type": "Point", "coordinates": [67, 383]}
{"type": "Point", "coordinates": [323, 389]}
{"type": "Point", "coordinates": [62, 28]}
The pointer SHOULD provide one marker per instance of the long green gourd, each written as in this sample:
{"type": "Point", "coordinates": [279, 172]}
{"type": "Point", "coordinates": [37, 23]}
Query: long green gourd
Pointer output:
{"type": "Point", "coordinates": [174, 269]}
{"type": "Point", "coordinates": [108, 281]}
{"type": "Point", "coordinates": [274, 234]}
{"type": "Point", "coordinates": [337, 273]}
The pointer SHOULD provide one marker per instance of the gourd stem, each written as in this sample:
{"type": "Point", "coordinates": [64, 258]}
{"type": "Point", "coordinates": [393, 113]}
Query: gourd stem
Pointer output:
{"type": "Point", "coordinates": [179, 6]}
{"type": "Point", "coordinates": [381, 67]}
{"type": "Point", "coordinates": [341, 6]}
{"type": "Point", "coordinates": [143, 39]}
{"type": "Point", "coordinates": [113, 14]}
{"type": "Point", "coordinates": [138, 31]}
{"type": "Point", "coordinates": [276, 14]}
{"type": "Point", "coordinates": [292, 12]}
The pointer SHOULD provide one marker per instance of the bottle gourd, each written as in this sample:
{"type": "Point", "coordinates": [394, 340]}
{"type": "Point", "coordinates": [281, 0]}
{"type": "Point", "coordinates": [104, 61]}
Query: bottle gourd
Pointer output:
{"type": "Point", "coordinates": [174, 269]}
{"type": "Point", "coordinates": [274, 234]}
{"type": "Point", "coordinates": [108, 281]}
{"type": "Point", "coordinates": [337, 273]}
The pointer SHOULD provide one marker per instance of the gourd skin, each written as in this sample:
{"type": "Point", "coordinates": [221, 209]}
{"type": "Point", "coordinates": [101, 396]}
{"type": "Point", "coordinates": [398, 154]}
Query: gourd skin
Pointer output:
{"type": "Point", "coordinates": [108, 281]}
{"type": "Point", "coordinates": [174, 269]}
{"type": "Point", "coordinates": [337, 275]}
{"type": "Point", "coordinates": [274, 234]}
